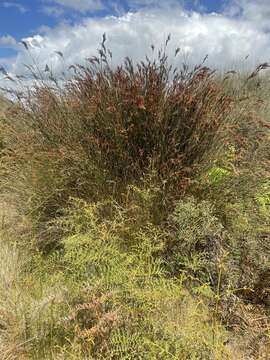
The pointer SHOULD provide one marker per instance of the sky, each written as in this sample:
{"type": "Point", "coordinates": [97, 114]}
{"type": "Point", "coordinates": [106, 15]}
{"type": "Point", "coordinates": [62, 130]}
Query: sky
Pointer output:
{"type": "Point", "coordinates": [233, 33]}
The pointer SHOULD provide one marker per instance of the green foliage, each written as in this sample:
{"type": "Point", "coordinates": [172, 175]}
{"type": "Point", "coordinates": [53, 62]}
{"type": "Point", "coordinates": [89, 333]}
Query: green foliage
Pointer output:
{"type": "Point", "coordinates": [263, 196]}
{"type": "Point", "coordinates": [140, 295]}
{"type": "Point", "coordinates": [217, 174]}
{"type": "Point", "coordinates": [196, 225]}
{"type": "Point", "coordinates": [102, 301]}
{"type": "Point", "coordinates": [197, 243]}
{"type": "Point", "coordinates": [141, 225]}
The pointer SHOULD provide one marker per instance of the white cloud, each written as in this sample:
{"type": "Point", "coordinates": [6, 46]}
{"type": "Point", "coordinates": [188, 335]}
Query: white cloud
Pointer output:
{"type": "Point", "coordinates": [7, 41]}
{"type": "Point", "coordinates": [79, 5]}
{"type": "Point", "coordinates": [11, 4]}
{"type": "Point", "coordinates": [156, 3]}
{"type": "Point", "coordinates": [226, 40]}
{"type": "Point", "coordinates": [54, 11]}
{"type": "Point", "coordinates": [256, 11]}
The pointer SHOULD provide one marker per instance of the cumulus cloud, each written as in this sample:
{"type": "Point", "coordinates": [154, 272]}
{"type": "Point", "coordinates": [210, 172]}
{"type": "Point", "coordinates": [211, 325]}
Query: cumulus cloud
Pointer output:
{"type": "Point", "coordinates": [226, 39]}
{"type": "Point", "coordinates": [257, 11]}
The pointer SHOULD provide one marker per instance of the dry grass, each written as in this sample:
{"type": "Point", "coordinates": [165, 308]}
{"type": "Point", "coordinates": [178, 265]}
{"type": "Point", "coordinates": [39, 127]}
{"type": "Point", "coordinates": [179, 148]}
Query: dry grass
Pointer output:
{"type": "Point", "coordinates": [135, 215]}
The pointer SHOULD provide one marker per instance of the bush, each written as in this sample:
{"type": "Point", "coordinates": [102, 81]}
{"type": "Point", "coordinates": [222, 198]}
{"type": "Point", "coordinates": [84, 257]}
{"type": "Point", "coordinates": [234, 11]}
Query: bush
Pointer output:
{"type": "Point", "coordinates": [108, 128]}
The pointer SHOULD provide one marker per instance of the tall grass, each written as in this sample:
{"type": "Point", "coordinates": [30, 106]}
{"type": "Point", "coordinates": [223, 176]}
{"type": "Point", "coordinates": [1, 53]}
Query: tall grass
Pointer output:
{"type": "Point", "coordinates": [141, 214]}
{"type": "Point", "coordinates": [108, 127]}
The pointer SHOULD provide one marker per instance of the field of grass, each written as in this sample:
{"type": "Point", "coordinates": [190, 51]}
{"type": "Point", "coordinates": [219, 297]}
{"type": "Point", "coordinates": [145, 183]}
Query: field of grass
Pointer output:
{"type": "Point", "coordinates": [135, 214]}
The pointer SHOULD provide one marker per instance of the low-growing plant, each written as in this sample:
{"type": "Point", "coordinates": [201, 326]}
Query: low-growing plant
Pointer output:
{"type": "Point", "coordinates": [198, 243]}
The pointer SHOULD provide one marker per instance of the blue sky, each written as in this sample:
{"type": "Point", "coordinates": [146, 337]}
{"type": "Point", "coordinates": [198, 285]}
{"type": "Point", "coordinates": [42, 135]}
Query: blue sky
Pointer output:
{"type": "Point", "coordinates": [227, 30]}
{"type": "Point", "coordinates": [23, 18]}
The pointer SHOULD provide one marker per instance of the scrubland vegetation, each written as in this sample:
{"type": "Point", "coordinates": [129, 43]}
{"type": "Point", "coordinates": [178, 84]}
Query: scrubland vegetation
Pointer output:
{"type": "Point", "coordinates": [135, 214]}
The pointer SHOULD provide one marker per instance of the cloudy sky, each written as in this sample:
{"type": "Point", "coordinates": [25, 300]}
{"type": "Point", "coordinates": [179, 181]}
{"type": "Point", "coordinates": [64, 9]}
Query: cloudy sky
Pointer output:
{"type": "Point", "coordinates": [232, 32]}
